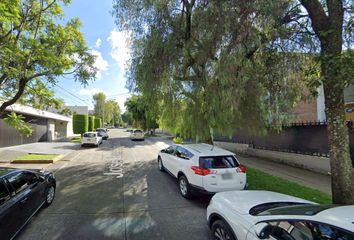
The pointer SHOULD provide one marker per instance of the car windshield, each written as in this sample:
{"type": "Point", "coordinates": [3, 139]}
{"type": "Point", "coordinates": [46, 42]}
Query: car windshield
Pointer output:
{"type": "Point", "coordinates": [101, 130]}
{"type": "Point", "coordinates": [302, 209]}
{"type": "Point", "coordinates": [89, 135]}
{"type": "Point", "coordinates": [138, 131]}
{"type": "Point", "coordinates": [218, 162]}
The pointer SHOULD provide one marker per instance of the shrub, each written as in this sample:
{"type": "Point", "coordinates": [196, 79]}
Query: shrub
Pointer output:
{"type": "Point", "coordinates": [98, 123]}
{"type": "Point", "coordinates": [91, 122]}
{"type": "Point", "coordinates": [178, 140]}
{"type": "Point", "coordinates": [80, 123]}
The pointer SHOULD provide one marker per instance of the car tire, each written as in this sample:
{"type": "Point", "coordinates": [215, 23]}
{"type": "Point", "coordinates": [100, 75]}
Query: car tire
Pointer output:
{"type": "Point", "coordinates": [184, 187]}
{"type": "Point", "coordinates": [49, 196]}
{"type": "Point", "coordinates": [160, 164]}
{"type": "Point", "coordinates": [221, 231]}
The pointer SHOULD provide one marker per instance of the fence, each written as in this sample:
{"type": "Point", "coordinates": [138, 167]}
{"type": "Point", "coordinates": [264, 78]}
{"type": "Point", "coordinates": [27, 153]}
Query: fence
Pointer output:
{"type": "Point", "coordinates": [302, 138]}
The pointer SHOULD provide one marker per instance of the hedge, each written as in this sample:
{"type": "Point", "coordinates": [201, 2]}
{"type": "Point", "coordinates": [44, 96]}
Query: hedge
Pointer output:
{"type": "Point", "coordinates": [91, 123]}
{"type": "Point", "coordinates": [98, 123]}
{"type": "Point", "coordinates": [80, 123]}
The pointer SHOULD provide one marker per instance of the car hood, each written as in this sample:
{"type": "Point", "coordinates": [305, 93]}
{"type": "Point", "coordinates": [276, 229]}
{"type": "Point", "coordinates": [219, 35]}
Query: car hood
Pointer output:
{"type": "Point", "coordinates": [243, 201]}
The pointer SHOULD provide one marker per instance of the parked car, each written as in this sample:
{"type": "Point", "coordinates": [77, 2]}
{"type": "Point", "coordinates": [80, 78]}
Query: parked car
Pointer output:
{"type": "Point", "coordinates": [22, 194]}
{"type": "Point", "coordinates": [137, 134]}
{"type": "Point", "coordinates": [255, 215]}
{"type": "Point", "coordinates": [91, 138]}
{"type": "Point", "coordinates": [202, 168]}
{"type": "Point", "coordinates": [103, 132]}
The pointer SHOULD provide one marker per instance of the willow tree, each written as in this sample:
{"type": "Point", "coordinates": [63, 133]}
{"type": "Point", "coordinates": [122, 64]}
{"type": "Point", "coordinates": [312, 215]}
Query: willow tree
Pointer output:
{"type": "Point", "coordinates": [209, 62]}
{"type": "Point", "coordinates": [226, 65]}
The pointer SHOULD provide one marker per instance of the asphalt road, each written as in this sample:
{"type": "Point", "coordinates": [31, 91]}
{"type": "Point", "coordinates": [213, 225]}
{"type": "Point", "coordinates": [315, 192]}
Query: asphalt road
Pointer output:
{"type": "Point", "coordinates": [144, 203]}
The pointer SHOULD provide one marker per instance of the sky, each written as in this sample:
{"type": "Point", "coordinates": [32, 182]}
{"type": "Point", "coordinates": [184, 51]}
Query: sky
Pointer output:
{"type": "Point", "coordinates": [111, 49]}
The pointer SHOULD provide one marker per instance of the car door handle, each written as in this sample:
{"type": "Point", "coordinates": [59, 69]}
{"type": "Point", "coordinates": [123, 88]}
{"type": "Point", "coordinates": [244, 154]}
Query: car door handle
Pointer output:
{"type": "Point", "coordinates": [24, 200]}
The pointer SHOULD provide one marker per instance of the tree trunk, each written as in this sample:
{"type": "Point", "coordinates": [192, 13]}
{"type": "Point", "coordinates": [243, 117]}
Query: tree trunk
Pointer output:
{"type": "Point", "coordinates": [338, 138]}
{"type": "Point", "coordinates": [328, 28]}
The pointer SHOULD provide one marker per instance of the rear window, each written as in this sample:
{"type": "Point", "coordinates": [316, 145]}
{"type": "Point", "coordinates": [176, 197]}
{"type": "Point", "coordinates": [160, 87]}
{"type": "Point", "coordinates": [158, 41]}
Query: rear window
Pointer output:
{"type": "Point", "coordinates": [101, 130]}
{"type": "Point", "coordinates": [90, 135]}
{"type": "Point", "coordinates": [218, 162]}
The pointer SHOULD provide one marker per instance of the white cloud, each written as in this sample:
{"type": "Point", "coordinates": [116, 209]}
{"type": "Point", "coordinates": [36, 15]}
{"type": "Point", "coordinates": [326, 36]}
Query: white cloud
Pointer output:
{"type": "Point", "coordinates": [120, 51]}
{"type": "Point", "coordinates": [89, 91]}
{"type": "Point", "coordinates": [100, 63]}
{"type": "Point", "coordinates": [98, 43]}
{"type": "Point", "coordinates": [121, 100]}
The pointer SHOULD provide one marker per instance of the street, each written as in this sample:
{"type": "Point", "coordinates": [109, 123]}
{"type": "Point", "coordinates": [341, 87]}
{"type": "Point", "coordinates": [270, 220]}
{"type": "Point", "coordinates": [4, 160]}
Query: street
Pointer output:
{"type": "Point", "coordinates": [94, 201]}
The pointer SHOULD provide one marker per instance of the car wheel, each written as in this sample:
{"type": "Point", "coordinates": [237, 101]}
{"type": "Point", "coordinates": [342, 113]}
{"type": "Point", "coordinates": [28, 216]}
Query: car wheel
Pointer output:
{"type": "Point", "coordinates": [184, 187]}
{"type": "Point", "coordinates": [49, 196]}
{"type": "Point", "coordinates": [221, 231]}
{"type": "Point", "coordinates": [160, 164]}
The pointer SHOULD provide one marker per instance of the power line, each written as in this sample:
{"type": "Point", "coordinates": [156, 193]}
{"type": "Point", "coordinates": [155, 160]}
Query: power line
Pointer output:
{"type": "Point", "coordinates": [84, 101]}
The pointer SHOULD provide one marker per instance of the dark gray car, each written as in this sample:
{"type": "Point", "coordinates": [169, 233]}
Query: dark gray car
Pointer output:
{"type": "Point", "coordinates": [22, 194]}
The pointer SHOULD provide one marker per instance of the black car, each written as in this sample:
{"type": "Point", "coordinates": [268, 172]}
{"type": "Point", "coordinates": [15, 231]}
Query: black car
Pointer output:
{"type": "Point", "coordinates": [22, 194]}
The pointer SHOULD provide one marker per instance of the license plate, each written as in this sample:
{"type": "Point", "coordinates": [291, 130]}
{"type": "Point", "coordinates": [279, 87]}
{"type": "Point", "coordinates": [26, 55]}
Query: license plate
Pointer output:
{"type": "Point", "coordinates": [226, 176]}
{"type": "Point", "coordinates": [89, 140]}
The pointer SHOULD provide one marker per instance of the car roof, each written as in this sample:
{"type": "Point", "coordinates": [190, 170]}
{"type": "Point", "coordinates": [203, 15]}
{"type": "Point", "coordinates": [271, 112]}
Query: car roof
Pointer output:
{"type": "Point", "coordinates": [243, 201]}
{"type": "Point", "coordinates": [341, 216]}
{"type": "Point", "coordinates": [90, 132]}
{"type": "Point", "coordinates": [5, 171]}
{"type": "Point", "coordinates": [203, 149]}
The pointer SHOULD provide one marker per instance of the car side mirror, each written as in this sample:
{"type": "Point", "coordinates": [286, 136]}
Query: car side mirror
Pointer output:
{"type": "Point", "coordinates": [262, 230]}
{"type": "Point", "coordinates": [163, 150]}
{"type": "Point", "coordinates": [41, 178]}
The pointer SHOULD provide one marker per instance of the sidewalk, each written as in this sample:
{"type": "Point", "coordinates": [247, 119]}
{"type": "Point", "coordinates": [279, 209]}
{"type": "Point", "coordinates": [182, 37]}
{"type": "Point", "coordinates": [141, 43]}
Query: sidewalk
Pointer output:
{"type": "Point", "coordinates": [304, 177]}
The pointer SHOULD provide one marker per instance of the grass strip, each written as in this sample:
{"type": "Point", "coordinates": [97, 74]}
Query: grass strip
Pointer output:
{"type": "Point", "coordinates": [32, 156]}
{"type": "Point", "coordinates": [259, 180]}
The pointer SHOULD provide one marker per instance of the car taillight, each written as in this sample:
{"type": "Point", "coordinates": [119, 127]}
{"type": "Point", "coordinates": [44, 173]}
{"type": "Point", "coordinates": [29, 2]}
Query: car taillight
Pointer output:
{"type": "Point", "coordinates": [200, 171]}
{"type": "Point", "coordinates": [241, 169]}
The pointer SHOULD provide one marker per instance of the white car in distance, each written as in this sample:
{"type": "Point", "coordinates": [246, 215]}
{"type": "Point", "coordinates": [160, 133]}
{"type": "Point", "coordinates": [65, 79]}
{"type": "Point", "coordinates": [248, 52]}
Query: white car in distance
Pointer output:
{"type": "Point", "coordinates": [137, 134]}
{"type": "Point", "coordinates": [91, 138]}
{"type": "Point", "coordinates": [254, 215]}
{"type": "Point", "coordinates": [202, 168]}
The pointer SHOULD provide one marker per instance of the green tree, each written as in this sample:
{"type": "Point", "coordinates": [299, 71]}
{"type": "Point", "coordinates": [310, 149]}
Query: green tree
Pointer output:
{"type": "Point", "coordinates": [116, 119]}
{"type": "Point", "coordinates": [141, 114]}
{"type": "Point", "coordinates": [127, 118]}
{"type": "Point", "coordinates": [33, 45]}
{"type": "Point", "coordinates": [328, 20]}
{"type": "Point", "coordinates": [80, 123]}
{"type": "Point", "coordinates": [209, 66]}
{"type": "Point", "coordinates": [99, 101]}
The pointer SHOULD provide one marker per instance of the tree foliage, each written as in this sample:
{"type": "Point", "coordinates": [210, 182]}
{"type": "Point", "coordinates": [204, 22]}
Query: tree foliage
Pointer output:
{"type": "Point", "coordinates": [36, 48]}
{"type": "Point", "coordinates": [99, 100]}
{"type": "Point", "coordinates": [108, 110]}
{"type": "Point", "coordinates": [141, 113]}
{"type": "Point", "coordinates": [17, 122]}
{"type": "Point", "coordinates": [208, 66]}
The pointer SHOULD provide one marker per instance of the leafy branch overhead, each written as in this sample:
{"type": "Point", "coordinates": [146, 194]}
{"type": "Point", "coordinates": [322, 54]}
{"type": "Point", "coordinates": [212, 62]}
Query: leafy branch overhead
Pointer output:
{"type": "Point", "coordinates": [33, 45]}
{"type": "Point", "coordinates": [18, 123]}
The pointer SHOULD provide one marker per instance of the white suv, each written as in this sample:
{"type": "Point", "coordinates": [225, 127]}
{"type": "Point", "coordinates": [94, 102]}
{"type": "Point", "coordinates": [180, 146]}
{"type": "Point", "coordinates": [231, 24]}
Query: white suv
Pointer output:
{"type": "Point", "coordinates": [202, 168]}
